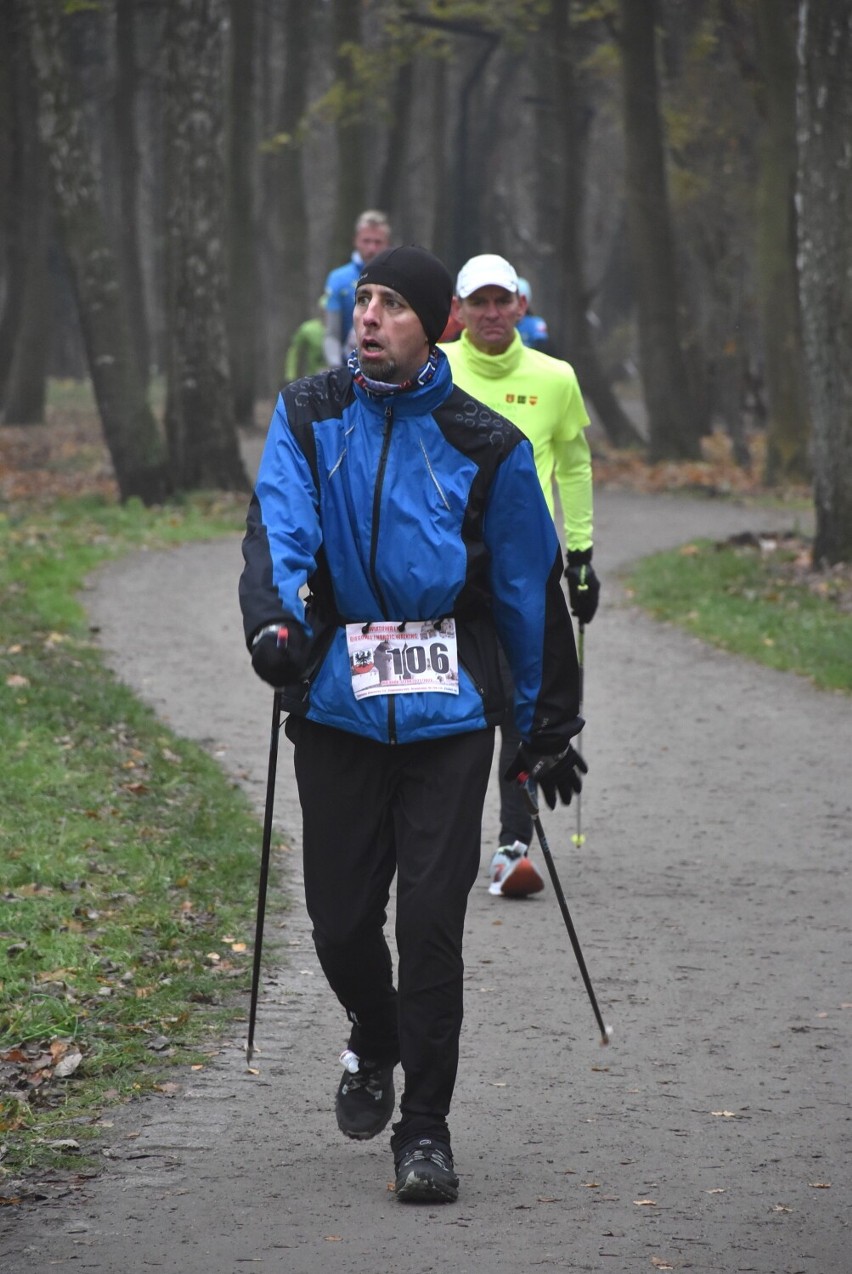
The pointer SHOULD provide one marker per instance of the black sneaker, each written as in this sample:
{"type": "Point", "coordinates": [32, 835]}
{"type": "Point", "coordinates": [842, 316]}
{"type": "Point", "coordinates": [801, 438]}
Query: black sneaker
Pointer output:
{"type": "Point", "coordinates": [365, 1097]}
{"type": "Point", "coordinates": [424, 1173]}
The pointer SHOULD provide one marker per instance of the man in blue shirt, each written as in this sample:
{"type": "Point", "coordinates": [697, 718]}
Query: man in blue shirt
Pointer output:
{"type": "Point", "coordinates": [532, 328]}
{"type": "Point", "coordinates": [372, 236]}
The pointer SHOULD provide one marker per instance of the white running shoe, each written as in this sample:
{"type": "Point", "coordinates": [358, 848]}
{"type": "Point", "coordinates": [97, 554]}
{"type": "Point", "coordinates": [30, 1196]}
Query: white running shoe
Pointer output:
{"type": "Point", "coordinates": [513, 875]}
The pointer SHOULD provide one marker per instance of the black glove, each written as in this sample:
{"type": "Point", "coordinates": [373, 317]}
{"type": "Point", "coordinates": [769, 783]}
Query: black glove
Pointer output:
{"type": "Point", "coordinates": [279, 652]}
{"type": "Point", "coordinates": [584, 587]}
{"type": "Point", "coordinates": [557, 774]}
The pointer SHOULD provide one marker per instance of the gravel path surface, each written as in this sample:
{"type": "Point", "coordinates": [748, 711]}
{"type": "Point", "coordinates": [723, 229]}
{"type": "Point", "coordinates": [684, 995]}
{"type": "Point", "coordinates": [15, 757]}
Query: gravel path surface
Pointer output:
{"type": "Point", "coordinates": [712, 900]}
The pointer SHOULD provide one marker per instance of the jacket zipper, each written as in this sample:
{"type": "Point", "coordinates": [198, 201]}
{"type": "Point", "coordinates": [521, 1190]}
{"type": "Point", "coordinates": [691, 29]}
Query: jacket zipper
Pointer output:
{"type": "Point", "coordinates": [374, 544]}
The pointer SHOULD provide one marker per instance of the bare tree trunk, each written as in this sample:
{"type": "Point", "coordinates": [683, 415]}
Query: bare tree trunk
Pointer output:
{"type": "Point", "coordinates": [562, 146]}
{"type": "Point", "coordinates": [825, 261]}
{"type": "Point", "coordinates": [24, 331]}
{"type": "Point", "coordinates": [787, 432]}
{"type": "Point", "coordinates": [26, 387]}
{"type": "Point", "coordinates": [242, 281]}
{"type": "Point", "coordinates": [351, 181]}
{"type": "Point", "coordinates": [672, 427]}
{"type": "Point", "coordinates": [391, 179]}
{"type": "Point", "coordinates": [131, 432]}
{"type": "Point", "coordinates": [202, 435]}
{"type": "Point", "coordinates": [293, 302]}
{"type": "Point", "coordinates": [127, 152]}
{"type": "Point", "coordinates": [12, 254]}
{"type": "Point", "coordinates": [441, 219]}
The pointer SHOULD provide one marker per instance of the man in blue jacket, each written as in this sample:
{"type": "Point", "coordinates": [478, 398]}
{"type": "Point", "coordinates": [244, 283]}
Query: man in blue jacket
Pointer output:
{"type": "Point", "coordinates": [413, 515]}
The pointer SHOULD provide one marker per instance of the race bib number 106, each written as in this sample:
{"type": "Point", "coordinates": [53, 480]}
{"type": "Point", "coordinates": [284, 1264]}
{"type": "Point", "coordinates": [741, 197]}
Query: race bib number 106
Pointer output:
{"type": "Point", "coordinates": [387, 661]}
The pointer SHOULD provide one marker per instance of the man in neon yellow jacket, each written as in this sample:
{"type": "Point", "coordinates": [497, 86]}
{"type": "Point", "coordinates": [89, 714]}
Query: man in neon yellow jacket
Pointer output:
{"type": "Point", "coordinates": [541, 396]}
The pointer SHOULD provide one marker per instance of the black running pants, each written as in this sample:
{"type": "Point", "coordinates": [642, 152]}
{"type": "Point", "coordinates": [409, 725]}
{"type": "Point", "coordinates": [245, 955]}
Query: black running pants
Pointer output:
{"type": "Point", "coordinates": [369, 811]}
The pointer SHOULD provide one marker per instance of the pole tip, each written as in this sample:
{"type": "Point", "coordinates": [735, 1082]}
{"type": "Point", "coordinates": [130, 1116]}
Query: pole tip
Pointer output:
{"type": "Point", "coordinates": [607, 1036]}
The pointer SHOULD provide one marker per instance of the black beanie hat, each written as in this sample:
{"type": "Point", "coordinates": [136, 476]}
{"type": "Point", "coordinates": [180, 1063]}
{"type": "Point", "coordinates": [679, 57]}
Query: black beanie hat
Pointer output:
{"type": "Point", "coordinates": [420, 278]}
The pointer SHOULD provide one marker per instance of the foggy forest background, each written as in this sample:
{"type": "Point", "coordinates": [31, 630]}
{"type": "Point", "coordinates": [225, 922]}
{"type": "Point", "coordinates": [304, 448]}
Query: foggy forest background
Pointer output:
{"type": "Point", "coordinates": [673, 177]}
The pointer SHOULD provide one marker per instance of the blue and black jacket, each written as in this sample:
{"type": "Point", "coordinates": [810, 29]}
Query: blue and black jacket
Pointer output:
{"type": "Point", "coordinates": [415, 505]}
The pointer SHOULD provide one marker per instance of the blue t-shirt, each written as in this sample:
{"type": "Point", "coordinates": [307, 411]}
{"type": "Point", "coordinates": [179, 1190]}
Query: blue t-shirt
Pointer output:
{"type": "Point", "coordinates": [340, 293]}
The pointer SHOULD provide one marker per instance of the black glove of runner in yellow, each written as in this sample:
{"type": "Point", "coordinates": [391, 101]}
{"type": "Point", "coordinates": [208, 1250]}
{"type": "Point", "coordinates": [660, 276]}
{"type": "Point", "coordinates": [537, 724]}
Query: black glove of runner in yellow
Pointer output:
{"type": "Point", "coordinates": [278, 652]}
{"type": "Point", "coordinates": [555, 775]}
{"type": "Point", "coordinates": [584, 587]}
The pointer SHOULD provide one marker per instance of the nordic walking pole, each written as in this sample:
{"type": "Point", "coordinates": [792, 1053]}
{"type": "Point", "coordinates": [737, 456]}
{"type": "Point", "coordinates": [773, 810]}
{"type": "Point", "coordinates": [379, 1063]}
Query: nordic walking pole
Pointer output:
{"type": "Point", "coordinates": [578, 838]}
{"type": "Point", "coordinates": [264, 868]}
{"type": "Point", "coordinates": [606, 1031]}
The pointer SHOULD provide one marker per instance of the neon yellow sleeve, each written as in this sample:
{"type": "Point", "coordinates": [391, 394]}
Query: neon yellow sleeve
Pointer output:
{"type": "Point", "coordinates": [573, 474]}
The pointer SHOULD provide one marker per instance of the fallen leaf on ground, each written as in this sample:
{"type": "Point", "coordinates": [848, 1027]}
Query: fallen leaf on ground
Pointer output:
{"type": "Point", "coordinates": [67, 1065]}
{"type": "Point", "coordinates": [659, 1264]}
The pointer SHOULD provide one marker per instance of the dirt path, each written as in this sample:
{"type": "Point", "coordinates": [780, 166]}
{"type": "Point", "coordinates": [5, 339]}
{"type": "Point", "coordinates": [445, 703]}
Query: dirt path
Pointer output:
{"type": "Point", "coordinates": [712, 900]}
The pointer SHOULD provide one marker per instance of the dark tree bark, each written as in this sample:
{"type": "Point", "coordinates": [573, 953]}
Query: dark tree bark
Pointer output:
{"type": "Point", "coordinates": [562, 146]}
{"type": "Point", "coordinates": [392, 176]}
{"type": "Point", "coordinates": [441, 220]}
{"type": "Point", "coordinates": [11, 257]}
{"type": "Point", "coordinates": [203, 445]}
{"type": "Point", "coordinates": [127, 153]}
{"type": "Point", "coordinates": [787, 428]}
{"type": "Point", "coordinates": [242, 237]}
{"type": "Point", "coordinates": [672, 426]}
{"type": "Point", "coordinates": [130, 430]}
{"type": "Point", "coordinates": [465, 190]}
{"type": "Point", "coordinates": [351, 173]}
{"type": "Point", "coordinates": [26, 385]}
{"type": "Point", "coordinates": [24, 327]}
{"type": "Point", "coordinates": [289, 300]}
{"type": "Point", "coordinates": [825, 256]}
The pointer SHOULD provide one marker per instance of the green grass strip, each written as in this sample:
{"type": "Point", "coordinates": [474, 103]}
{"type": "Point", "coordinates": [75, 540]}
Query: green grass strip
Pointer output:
{"type": "Point", "coordinates": [755, 604]}
{"type": "Point", "coordinates": [128, 859]}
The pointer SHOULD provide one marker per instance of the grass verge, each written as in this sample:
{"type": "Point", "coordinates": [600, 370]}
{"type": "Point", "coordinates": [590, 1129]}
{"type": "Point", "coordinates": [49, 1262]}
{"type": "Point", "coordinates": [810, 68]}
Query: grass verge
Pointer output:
{"type": "Point", "coordinates": [757, 597]}
{"type": "Point", "coordinates": [129, 861]}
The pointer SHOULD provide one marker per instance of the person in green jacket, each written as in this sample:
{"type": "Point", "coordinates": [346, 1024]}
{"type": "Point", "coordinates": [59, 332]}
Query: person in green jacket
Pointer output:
{"type": "Point", "coordinates": [540, 395]}
{"type": "Point", "coordinates": [305, 355]}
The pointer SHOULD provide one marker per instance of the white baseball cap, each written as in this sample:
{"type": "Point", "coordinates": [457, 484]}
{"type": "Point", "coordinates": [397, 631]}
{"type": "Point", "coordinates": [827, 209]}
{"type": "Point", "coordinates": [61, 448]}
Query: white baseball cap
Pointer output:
{"type": "Point", "coordinates": [485, 271]}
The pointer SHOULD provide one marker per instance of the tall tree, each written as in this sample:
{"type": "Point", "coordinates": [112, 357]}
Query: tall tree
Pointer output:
{"type": "Point", "coordinates": [391, 178]}
{"type": "Point", "coordinates": [672, 427]}
{"type": "Point", "coordinates": [284, 170]}
{"type": "Point", "coordinates": [127, 155]}
{"type": "Point", "coordinates": [825, 255]}
{"type": "Point", "coordinates": [242, 280]}
{"type": "Point", "coordinates": [24, 326]}
{"type": "Point", "coordinates": [787, 429]}
{"type": "Point", "coordinates": [561, 141]}
{"type": "Point", "coordinates": [131, 432]}
{"type": "Point", "coordinates": [203, 444]}
{"type": "Point", "coordinates": [351, 178]}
